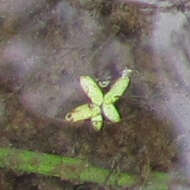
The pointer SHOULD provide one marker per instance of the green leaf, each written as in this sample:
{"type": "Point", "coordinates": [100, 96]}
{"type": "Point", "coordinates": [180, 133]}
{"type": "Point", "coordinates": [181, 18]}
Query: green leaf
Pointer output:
{"type": "Point", "coordinates": [111, 112]}
{"type": "Point", "coordinates": [92, 90]}
{"type": "Point", "coordinates": [117, 90]}
{"type": "Point", "coordinates": [97, 122]}
{"type": "Point", "coordinates": [82, 112]}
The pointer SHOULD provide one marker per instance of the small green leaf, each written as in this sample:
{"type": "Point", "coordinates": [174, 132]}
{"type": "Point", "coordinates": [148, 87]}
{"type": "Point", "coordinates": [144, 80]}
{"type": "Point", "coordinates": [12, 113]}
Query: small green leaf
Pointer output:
{"type": "Point", "coordinates": [92, 90]}
{"type": "Point", "coordinates": [85, 111]}
{"type": "Point", "coordinates": [111, 112]}
{"type": "Point", "coordinates": [117, 90]}
{"type": "Point", "coordinates": [97, 122]}
{"type": "Point", "coordinates": [99, 102]}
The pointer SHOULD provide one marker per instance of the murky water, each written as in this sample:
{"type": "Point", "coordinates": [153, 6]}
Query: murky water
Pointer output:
{"type": "Point", "coordinates": [45, 47]}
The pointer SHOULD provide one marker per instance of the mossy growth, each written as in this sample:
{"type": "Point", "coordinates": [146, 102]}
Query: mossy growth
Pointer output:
{"type": "Point", "coordinates": [122, 17]}
{"type": "Point", "coordinates": [126, 19]}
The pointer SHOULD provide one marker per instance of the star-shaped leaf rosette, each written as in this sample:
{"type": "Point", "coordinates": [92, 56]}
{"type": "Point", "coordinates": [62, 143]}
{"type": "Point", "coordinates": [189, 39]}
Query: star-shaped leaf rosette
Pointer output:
{"type": "Point", "coordinates": [100, 104]}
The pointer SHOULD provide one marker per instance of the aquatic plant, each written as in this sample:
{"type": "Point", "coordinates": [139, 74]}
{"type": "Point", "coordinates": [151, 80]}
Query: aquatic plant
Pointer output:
{"type": "Point", "coordinates": [100, 103]}
{"type": "Point", "coordinates": [77, 170]}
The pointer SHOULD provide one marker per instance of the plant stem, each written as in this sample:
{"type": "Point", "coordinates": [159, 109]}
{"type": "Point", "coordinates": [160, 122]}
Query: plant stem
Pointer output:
{"type": "Point", "coordinates": [72, 169]}
{"type": "Point", "coordinates": [75, 169]}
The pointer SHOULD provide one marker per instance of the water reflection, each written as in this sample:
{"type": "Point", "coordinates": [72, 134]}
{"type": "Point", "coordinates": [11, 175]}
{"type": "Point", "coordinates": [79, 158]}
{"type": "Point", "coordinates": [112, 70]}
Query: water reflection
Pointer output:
{"type": "Point", "coordinates": [169, 41]}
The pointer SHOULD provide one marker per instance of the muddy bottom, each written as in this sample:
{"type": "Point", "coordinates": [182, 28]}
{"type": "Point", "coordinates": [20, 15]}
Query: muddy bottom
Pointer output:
{"type": "Point", "coordinates": [44, 49]}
